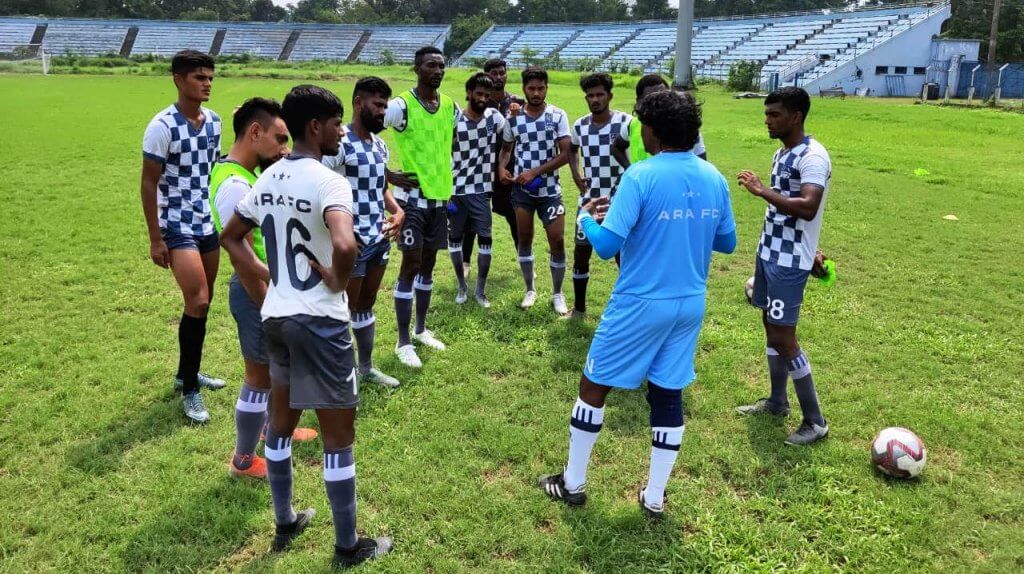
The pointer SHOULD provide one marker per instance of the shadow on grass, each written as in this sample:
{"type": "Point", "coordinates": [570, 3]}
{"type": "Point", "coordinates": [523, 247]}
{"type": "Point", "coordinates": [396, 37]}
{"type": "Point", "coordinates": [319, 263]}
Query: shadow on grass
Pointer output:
{"type": "Point", "coordinates": [195, 531]}
{"type": "Point", "coordinates": [104, 453]}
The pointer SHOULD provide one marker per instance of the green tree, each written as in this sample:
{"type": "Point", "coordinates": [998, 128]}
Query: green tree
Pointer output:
{"type": "Point", "coordinates": [653, 10]}
{"type": "Point", "coordinates": [266, 11]}
{"type": "Point", "coordinates": [465, 31]}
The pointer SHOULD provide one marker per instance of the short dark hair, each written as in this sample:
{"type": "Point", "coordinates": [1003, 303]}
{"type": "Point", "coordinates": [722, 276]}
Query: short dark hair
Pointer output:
{"type": "Point", "coordinates": [479, 79]}
{"type": "Point", "coordinates": [534, 73]}
{"type": "Point", "coordinates": [495, 63]}
{"type": "Point", "coordinates": [647, 81]}
{"type": "Point", "coordinates": [372, 85]}
{"type": "Point", "coordinates": [674, 117]}
{"type": "Point", "coordinates": [187, 61]}
{"type": "Point", "coordinates": [254, 110]}
{"type": "Point", "coordinates": [597, 80]}
{"type": "Point", "coordinates": [425, 51]}
{"type": "Point", "coordinates": [308, 102]}
{"type": "Point", "coordinates": [792, 98]}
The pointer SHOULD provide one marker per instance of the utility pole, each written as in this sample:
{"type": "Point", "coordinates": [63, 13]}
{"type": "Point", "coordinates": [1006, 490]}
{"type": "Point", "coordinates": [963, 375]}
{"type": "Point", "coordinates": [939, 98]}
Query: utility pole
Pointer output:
{"type": "Point", "coordinates": [682, 78]}
{"type": "Point", "coordinates": [993, 40]}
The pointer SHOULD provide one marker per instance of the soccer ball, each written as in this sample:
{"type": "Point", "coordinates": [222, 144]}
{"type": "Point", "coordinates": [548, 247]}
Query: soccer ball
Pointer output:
{"type": "Point", "coordinates": [898, 452]}
{"type": "Point", "coordinates": [749, 290]}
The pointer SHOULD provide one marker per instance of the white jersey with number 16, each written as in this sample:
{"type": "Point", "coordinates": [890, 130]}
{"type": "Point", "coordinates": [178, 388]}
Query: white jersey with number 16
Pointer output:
{"type": "Point", "coordinates": [289, 202]}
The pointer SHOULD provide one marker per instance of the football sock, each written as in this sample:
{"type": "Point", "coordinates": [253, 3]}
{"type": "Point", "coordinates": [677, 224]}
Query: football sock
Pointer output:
{"type": "Point", "coordinates": [584, 426]}
{"type": "Point", "coordinates": [340, 483]}
{"type": "Point", "coordinates": [403, 310]}
{"type": "Point", "coordinates": [800, 371]}
{"type": "Point", "coordinates": [483, 264]}
{"type": "Point", "coordinates": [666, 437]}
{"type": "Point", "coordinates": [191, 334]}
{"type": "Point", "coordinates": [557, 273]}
{"type": "Point", "coordinates": [278, 451]}
{"type": "Point", "coordinates": [250, 414]}
{"type": "Point", "coordinates": [455, 251]}
{"type": "Point", "coordinates": [424, 286]}
{"type": "Point", "coordinates": [364, 327]}
{"type": "Point", "coordinates": [580, 277]}
{"type": "Point", "coordinates": [779, 373]}
{"type": "Point", "coordinates": [526, 266]}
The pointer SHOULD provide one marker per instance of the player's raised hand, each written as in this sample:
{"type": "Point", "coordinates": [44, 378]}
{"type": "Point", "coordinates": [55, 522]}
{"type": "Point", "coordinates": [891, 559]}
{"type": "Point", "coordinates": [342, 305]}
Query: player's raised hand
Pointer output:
{"type": "Point", "coordinates": [393, 225]}
{"type": "Point", "coordinates": [159, 254]}
{"type": "Point", "coordinates": [749, 180]}
{"type": "Point", "coordinates": [598, 208]}
{"type": "Point", "coordinates": [514, 108]}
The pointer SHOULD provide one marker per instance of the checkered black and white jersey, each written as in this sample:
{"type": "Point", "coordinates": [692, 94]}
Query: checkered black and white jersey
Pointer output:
{"type": "Point", "coordinates": [188, 155]}
{"type": "Point", "coordinates": [363, 164]}
{"type": "Point", "coordinates": [536, 142]}
{"type": "Point", "coordinates": [786, 240]}
{"type": "Point", "coordinates": [595, 145]}
{"type": "Point", "coordinates": [474, 152]}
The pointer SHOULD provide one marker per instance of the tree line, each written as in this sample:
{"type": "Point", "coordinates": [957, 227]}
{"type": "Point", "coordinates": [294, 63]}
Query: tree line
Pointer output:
{"type": "Point", "coordinates": [470, 18]}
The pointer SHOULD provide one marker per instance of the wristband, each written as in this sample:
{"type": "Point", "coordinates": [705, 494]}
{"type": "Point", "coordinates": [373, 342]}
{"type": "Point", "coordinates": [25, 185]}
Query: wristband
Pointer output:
{"type": "Point", "coordinates": [583, 215]}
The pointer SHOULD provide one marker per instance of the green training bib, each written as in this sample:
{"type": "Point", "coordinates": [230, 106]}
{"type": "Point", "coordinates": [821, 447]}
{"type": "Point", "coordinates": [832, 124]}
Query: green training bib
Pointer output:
{"type": "Point", "coordinates": [222, 170]}
{"type": "Point", "coordinates": [426, 145]}
{"type": "Point", "coordinates": [637, 153]}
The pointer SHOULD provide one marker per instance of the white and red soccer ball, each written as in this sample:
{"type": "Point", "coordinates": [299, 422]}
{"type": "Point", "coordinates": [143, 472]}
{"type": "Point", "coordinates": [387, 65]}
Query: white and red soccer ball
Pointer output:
{"type": "Point", "coordinates": [898, 452]}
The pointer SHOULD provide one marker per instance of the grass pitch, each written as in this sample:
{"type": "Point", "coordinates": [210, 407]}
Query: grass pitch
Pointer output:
{"type": "Point", "coordinates": [98, 472]}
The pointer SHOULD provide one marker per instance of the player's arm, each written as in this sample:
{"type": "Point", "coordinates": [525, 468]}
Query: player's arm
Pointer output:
{"type": "Point", "coordinates": [151, 171]}
{"type": "Point", "coordinates": [619, 151]}
{"type": "Point", "coordinates": [393, 223]}
{"type": "Point", "coordinates": [343, 256]}
{"type": "Point", "coordinates": [805, 206]}
{"type": "Point", "coordinates": [551, 166]}
{"type": "Point", "coordinates": [252, 273]}
{"type": "Point", "coordinates": [400, 179]}
{"type": "Point", "coordinates": [504, 156]}
{"type": "Point", "coordinates": [574, 166]}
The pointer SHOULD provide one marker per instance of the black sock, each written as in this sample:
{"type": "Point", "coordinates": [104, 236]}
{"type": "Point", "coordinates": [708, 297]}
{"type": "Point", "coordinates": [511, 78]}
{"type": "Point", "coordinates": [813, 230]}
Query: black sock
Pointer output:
{"type": "Point", "coordinates": [403, 310]}
{"type": "Point", "coordinates": [191, 334]}
{"type": "Point", "coordinates": [580, 277]}
{"type": "Point", "coordinates": [803, 382]}
{"type": "Point", "coordinates": [483, 263]}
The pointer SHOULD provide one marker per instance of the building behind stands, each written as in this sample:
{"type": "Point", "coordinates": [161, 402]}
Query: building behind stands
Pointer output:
{"type": "Point", "coordinates": [278, 41]}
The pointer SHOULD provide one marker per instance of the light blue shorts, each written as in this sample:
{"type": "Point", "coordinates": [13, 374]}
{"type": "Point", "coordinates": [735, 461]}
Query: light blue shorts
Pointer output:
{"type": "Point", "coordinates": [646, 339]}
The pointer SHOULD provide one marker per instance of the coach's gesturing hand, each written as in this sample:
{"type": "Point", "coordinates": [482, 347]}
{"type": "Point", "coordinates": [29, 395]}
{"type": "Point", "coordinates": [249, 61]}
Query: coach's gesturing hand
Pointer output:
{"type": "Point", "coordinates": [749, 180]}
{"type": "Point", "coordinates": [597, 208]}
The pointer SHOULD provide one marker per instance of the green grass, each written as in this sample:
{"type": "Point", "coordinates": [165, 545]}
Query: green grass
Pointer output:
{"type": "Point", "coordinates": [98, 472]}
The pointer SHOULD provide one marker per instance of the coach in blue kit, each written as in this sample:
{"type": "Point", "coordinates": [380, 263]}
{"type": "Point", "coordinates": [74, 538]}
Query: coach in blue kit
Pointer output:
{"type": "Point", "coordinates": [669, 214]}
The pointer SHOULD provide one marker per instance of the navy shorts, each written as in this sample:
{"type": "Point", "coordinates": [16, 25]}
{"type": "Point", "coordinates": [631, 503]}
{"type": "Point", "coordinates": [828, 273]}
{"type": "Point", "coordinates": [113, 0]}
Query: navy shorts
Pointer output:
{"type": "Point", "coordinates": [779, 291]}
{"type": "Point", "coordinates": [200, 243]}
{"type": "Point", "coordinates": [313, 356]}
{"type": "Point", "coordinates": [472, 214]}
{"type": "Point", "coordinates": [423, 227]}
{"type": "Point", "coordinates": [646, 339]}
{"type": "Point", "coordinates": [249, 322]}
{"type": "Point", "coordinates": [375, 255]}
{"type": "Point", "coordinates": [548, 209]}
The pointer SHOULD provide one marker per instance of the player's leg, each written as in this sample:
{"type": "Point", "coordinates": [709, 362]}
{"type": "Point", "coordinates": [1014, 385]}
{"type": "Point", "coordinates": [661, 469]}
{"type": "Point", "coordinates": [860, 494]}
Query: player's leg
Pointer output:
{"type": "Point", "coordinates": [501, 202]}
{"type": "Point", "coordinates": [580, 272]}
{"type": "Point", "coordinates": [524, 226]}
{"type": "Point", "coordinates": [619, 357]}
{"type": "Point", "coordinates": [671, 371]}
{"type": "Point", "coordinates": [553, 215]}
{"type": "Point", "coordinates": [254, 394]}
{"type": "Point", "coordinates": [467, 252]}
{"type": "Point", "coordinates": [410, 243]}
{"type": "Point", "coordinates": [777, 403]}
{"type": "Point", "coordinates": [482, 225]}
{"type": "Point", "coordinates": [435, 238]}
{"type": "Point", "coordinates": [188, 270]}
{"type": "Point", "coordinates": [277, 449]}
{"type": "Point", "coordinates": [362, 300]}
{"type": "Point", "coordinates": [458, 232]}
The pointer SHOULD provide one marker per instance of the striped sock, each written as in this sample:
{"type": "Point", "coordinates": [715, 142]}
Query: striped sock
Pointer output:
{"type": "Point", "coordinates": [455, 251]}
{"type": "Point", "coordinates": [424, 287]}
{"type": "Point", "coordinates": [278, 450]}
{"type": "Point", "coordinates": [800, 371]}
{"type": "Point", "coordinates": [340, 483]}
{"type": "Point", "coordinates": [665, 442]}
{"type": "Point", "coordinates": [364, 329]}
{"type": "Point", "coordinates": [483, 265]}
{"type": "Point", "coordinates": [557, 273]}
{"type": "Point", "coordinates": [779, 374]}
{"type": "Point", "coordinates": [250, 414]}
{"type": "Point", "coordinates": [526, 266]}
{"type": "Point", "coordinates": [584, 426]}
{"type": "Point", "coordinates": [403, 310]}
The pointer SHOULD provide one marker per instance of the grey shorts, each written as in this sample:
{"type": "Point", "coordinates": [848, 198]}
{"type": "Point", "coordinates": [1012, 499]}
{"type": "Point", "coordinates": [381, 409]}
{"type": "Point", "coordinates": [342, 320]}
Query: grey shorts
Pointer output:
{"type": "Point", "coordinates": [779, 291]}
{"type": "Point", "coordinates": [249, 322]}
{"type": "Point", "coordinates": [375, 255]}
{"type": "Point", "coordinates": [548, 209]}
{"type": "Point", "coordinates": [472, 213]}
{"type": "Point", "coordinates": [313, 355]}
{"type": "Point", "coordinates": [423, 227]}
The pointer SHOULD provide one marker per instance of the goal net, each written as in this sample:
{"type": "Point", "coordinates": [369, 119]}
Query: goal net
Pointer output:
{"type": "Point", "coordinates": [24, 59]}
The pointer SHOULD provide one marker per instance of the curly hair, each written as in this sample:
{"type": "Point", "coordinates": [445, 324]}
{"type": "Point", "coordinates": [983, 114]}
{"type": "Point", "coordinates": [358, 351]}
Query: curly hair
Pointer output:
{"type": "Point", "coordinates": [674, 117]}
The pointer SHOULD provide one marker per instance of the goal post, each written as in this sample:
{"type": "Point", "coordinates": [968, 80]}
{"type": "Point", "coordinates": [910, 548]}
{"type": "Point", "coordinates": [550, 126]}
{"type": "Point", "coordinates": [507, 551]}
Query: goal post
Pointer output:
{"type": "Point", "coordinates": [24, 59]}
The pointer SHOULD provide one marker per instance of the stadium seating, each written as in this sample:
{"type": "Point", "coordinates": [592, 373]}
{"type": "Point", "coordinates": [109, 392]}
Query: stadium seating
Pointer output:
{"type": "Point", "coordinates": [15, 34]}
{"type": "Point", "coordinates": [326, 44]}
{"type": "Point", "coordinates": [401, 41]}
{"type": "Point", "coordinates": [87, 38]}
{"type": "Point", "coordinates": [261, 42]}
{"type": "Point", "coordinates": [166, 38]}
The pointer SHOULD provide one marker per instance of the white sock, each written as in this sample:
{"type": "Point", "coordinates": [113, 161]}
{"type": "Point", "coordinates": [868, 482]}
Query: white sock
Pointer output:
{"type": "Point", "coordinates": [665, 443]}
{"type": "Point", "coordinates": [584, 425]}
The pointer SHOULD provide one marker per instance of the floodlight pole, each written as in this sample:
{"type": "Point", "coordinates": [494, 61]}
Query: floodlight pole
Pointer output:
{"type": "Point", "coordinates": [683, 77]}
